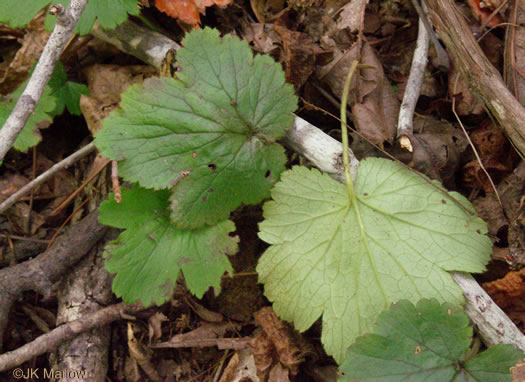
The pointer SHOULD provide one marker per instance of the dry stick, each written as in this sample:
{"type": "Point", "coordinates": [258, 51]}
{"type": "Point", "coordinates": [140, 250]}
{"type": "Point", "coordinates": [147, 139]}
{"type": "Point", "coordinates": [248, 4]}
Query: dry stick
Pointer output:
{"type": "Point", "coordinates": [483, 79]}
{"type": "Point", "coordinates": [442, 61]}
{"type": "Point", "coordinates": [66, 21]}
{"type": "Point", "coordinates": [46, 175]}
{"type": "Point", "coordinates": [413, 88]}
{"type": "Point", "coordinates": [40, 273]}
{"type": "Point", "coordinates": [59, 335]}
{"type": "Point", "coordinates": [326, 154]}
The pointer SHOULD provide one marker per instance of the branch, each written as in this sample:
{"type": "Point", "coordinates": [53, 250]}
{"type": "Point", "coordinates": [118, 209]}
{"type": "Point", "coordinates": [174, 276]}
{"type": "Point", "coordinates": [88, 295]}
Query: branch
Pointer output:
{"type": "Point", "coordinates": [483, 79]}
{"type": "Point", "coordinates": [49, 341]}
{"type": "Point", "coordinates": [65, 24]}
{"type": "Point", "coordinates": [46, 175]}
{"type": "Point", "coordinates": [40, 273]}
{"type": "Point", "coordinates": [325, 153]}
{"type": "Point", "coordinates": [413, 88]}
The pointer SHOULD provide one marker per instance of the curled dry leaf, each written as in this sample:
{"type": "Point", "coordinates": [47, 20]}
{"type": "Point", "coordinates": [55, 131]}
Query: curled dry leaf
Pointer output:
{"type": "Point", "coordinates": [509, 291]}
{"type": "Point", "coordinates": [375, 107]}
{"type": "Point", "coordinates": [299, 51]}
{"type": "Point", "coordinates": [278, 336]}
{"type": "Point", "coordinates": [33, 42]}
{"type": "Point", "coordinates": [188, 11]}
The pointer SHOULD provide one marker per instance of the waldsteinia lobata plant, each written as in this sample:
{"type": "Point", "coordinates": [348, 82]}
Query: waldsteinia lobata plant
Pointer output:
{"type": "Point", "coordinates": [198, 146]}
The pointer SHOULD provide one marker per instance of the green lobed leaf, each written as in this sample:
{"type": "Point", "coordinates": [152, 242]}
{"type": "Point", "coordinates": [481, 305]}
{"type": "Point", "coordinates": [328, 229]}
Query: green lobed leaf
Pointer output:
{"type": "Point", "coordinates": [427, 342]}
{"type": "Point", "coordinates": [349, 261]}
{"type": "Point", "coordinates": [109, 14]}
{"type": "Point", "coordinates": [67, 93]}
{"type": "Point", "coordinates": [210, 133]}
{"type": "Point", "coordinates": [42, 116]}
{"type": "Point", "coordinates": [17, 13]}
{"type": "Point", "coordinates": [149, 255]}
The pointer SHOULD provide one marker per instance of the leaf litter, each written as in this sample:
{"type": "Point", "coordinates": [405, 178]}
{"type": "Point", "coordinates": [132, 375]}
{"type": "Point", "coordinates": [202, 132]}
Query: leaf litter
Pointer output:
{"type": "Point", "coordinates": [505, 226]}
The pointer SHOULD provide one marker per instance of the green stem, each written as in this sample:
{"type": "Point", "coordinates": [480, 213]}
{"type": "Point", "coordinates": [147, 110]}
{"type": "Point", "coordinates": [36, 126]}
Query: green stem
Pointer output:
{"type": "Point", "coordinates": [344, 129]}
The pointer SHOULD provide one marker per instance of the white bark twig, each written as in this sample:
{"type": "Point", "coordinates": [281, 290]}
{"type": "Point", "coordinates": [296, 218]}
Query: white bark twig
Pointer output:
{"type": "Point", "coordinates": [46, 175]}
{"type": "Point", "coordinates": [325, 152]}
{"type": "Point", "coordinates": [413, 88]}
{"type": "Point", "coordinates": [65, 24]}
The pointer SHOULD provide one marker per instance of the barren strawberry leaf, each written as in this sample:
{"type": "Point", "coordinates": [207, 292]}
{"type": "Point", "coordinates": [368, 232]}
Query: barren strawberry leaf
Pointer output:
{"type": "Point", "coordinates": [149, 255]}
{"type": "Point", "coordinates": [210, 133]}
{"type": "Point", "coordinates": [41, 117]}
{"type": "Point", "coordinates": [349, 261]}
{"type": "Point", "coordinates": [108, 13]}
{"type": "Point", "coordinates": [427, 342]}
{"type": "Point", "coordinates": [17, 13]}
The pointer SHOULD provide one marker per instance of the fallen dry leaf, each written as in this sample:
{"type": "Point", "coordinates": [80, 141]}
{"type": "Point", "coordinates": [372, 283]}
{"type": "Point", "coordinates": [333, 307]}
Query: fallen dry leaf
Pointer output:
{"type": "Point", "coordinates": [509, 291]}
{"type": "Point", "coordinates": [33, 42]}
{"type": "Point", "coordinates": [188, 11]}
{"type": "Point", "coordinates": [289, 345]}
{"type": "Point", "coordinates": [299, 51]}
{"type": "Point", "coordinates": [375, 107]}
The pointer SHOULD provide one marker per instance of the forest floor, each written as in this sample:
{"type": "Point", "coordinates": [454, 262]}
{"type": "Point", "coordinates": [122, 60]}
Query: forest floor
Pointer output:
{"type": "Point", "coordinates": [234, 335]}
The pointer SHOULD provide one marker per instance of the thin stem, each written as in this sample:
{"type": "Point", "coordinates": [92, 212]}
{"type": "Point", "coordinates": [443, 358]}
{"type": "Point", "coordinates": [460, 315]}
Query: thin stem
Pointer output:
{"type": "Point", "coordinates": [344, 129]}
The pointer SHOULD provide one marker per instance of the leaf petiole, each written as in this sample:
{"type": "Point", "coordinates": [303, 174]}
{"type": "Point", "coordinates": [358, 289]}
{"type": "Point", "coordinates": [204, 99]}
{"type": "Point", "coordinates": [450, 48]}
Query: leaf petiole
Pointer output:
{"type": "Point", "coordinates": [344, 129]}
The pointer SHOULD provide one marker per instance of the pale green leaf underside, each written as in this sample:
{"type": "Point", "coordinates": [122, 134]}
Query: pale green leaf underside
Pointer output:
{"type": "Point", "coordinates": [321, 262]}
{"type": "Point", "coordinates": [427, 342]}
{"type": "Point", "coordinates": [216, 124]}
{"type": "Point", "coordinates": [149, 255]}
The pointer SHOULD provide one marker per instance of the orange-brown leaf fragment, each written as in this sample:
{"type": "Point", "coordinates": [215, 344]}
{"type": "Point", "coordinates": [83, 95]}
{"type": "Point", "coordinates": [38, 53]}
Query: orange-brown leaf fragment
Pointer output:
{"type": "Point", "coordinates": [188, 11]}
{"type": "Point", "coordinates": [184, 10]}
{"type": "Point", "coordinates": [509, 291]}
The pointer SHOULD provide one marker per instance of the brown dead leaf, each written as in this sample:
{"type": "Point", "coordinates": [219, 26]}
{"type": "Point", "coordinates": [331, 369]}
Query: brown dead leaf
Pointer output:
{"type": "Point", "coordinates": [188, 11]}
{"type": "Point", "coordinates": [142, 355]}
{"type": "Point", "coordinates": [11, 183]}
{"type": "Point", "coordinates": [508, 291]}
{"type": "Point", "coordinates": [511, 221]}
{"type": "Point", "coordinates": [350, 16]}
{"type": "Point", "coordinates": [263, 37]}
{"type": "Point", "coordinates": [289, 345]}
{"type": "Point", "coordinates": [495, 154]}
{"type": "Point", "coordinates": [241, 368]}
{"type": "Point", "coordinates": [375, 107]}
{"type": "Point", "coordinates": [279, 373]}
{"type": "Point", "coordinates": [437, 149]}
{"type": "Point", "coordinates": [299, 51]}
{"type": "Point", "coordinates": [466, 103]}
{"type": "Point", "coordinates": [264, 354]}
{"type": "Point", "coordinates": [155, 326]}
{"type": "Point", "coordinates": [33, 43]}
{"type": "Point", "coordinates": [518, 372]}
{"type": "Point", "coordinates": [107, 82]}
{"type": "Point", "coordinates": [202, 312]}
{"type": "Point", "coordinates": [94, 112]}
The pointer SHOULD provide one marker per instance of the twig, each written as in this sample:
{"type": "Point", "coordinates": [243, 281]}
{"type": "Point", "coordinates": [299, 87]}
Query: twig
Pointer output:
{"type": "Point", "coordinates": [40, 273]}
{"type": "Point", "coordinates": [66, 22]}
{"type": "Point", "coordinates": [442, 62]}
{"type": "Point", "coordinates": [483, 79]}
{"type": "Point", "coordinates": [46, 175]}
{"type": "Point", "coordinates": [57, 336]}
{"type": "Point", "coordinates": [413, 88]}
{"type": "Point", "coordinates": [145, 44]}
{"type": "Point", "coordinates": [325, 153]}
